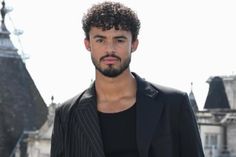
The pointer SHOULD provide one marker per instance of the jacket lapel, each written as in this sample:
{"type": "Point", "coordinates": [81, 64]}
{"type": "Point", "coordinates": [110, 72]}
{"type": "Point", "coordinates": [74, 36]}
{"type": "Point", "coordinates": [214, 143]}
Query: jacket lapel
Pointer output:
{"type": "Point", "coordinates": [87, 117]}
{"type": "Point", "coordinates": [149, 109]}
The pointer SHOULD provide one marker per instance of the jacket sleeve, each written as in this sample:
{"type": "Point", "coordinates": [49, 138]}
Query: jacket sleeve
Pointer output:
{"type": "Point", "coordinates": [57, 149]}
{"type": "Point", "coordinates": [190, 142]}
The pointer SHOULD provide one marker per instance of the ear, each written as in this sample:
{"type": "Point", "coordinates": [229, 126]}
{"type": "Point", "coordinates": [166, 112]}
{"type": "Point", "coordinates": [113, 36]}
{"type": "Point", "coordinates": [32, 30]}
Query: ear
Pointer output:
{"type": "Point", "coordinates": [134, 45]}
{"type": "Point", "coordinates": [87, 44]}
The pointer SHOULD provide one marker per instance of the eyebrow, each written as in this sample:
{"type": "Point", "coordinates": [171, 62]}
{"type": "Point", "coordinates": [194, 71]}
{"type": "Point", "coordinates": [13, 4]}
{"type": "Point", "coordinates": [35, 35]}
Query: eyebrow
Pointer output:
{"type": "Point", "coordinates": [99, 36]}
{"type": "Point", "coordinates": [116, 37]}
{"type": "Point", "coordinates": [121, 37]}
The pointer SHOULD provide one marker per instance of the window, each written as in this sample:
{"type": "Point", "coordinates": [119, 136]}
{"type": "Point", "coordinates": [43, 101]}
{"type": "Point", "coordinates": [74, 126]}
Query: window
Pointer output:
{"type": "Point", "coordinates": [211, 140]}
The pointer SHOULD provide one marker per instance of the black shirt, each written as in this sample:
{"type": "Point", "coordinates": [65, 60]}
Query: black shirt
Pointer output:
{"type": "Point", "coordinates": [119, 133]}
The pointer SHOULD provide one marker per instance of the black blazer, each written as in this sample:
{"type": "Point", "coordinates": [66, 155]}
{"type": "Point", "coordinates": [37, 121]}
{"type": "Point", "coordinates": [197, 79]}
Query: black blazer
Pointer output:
{"type": "Point", "coordinates": [166, 125]}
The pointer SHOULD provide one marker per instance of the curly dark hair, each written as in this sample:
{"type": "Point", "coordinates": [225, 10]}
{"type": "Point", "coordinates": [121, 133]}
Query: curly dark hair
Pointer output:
{"type": "Point", "coordinates": [107, 15]}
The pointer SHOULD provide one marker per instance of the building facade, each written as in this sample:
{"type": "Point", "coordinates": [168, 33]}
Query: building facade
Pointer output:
{"type": "Point", "coordinates": [217, 122]}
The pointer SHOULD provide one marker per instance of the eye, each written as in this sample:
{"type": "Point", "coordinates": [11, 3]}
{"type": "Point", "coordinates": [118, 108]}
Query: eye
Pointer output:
{"type": "Point", "coordinates": [120, 40]}
{"type": "Point", "coordinates": [100, 40]}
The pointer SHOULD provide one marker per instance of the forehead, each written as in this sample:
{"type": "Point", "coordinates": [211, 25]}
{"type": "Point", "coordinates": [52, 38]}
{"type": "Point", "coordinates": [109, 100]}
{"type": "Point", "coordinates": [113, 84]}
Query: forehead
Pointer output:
{"type": "Point", "coordinates": [95, 31]}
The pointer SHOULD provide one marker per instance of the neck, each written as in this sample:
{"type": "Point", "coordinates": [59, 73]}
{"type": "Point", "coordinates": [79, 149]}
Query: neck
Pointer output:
{"type": "Point", "coordinates": [115, 88]}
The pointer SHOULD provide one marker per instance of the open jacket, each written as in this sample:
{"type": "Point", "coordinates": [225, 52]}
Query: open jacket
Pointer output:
{"type": "Point", "coordinates": [165, 125]}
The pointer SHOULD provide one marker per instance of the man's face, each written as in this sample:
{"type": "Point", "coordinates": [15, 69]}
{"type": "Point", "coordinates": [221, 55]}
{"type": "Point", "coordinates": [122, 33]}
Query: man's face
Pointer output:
{"type": "Point", "coordinates": [110, 50]}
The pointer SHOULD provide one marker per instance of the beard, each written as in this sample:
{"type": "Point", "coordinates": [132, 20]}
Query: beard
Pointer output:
{"type": "Point", "coordinates": [111, 71]}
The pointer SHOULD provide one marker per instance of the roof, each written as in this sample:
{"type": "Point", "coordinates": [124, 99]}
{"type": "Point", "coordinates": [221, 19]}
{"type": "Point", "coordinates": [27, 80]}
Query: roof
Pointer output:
{"type": "Point", "coordinates": [216, 98]}
{"type": "Point", "coordinates": [193, 101]}
{"type": "Point", "coordinates": [21, 106]}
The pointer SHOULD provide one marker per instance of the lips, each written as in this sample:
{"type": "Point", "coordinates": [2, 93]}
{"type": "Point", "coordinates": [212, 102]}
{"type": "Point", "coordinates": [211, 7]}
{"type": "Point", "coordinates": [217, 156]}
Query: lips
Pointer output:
{"type": "Point", "coordinates": [110, 60]}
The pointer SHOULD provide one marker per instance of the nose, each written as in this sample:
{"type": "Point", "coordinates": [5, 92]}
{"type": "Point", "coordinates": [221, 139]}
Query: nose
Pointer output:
{"type": "Point", "coordinates": [110, 47]}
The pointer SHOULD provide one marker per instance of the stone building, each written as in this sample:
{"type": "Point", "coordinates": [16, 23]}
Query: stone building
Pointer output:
{"type": "Point", "coordinates": [38, 142]}
{"type": "Point", "coordinates": [22, 108]}
{"type": "Point", "coordinates": [217, 122]}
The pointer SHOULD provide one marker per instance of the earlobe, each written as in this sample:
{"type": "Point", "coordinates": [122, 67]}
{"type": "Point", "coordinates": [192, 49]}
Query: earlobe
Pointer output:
{"type": "Point", "coordinates": [134, 45]}
{"type": "Point", "coordinates": [87, 44]}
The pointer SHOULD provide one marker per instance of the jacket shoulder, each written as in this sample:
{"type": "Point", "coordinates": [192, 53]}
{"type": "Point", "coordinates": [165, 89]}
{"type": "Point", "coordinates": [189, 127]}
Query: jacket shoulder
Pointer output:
{"type": "Point", "coordinates": [171, 95]}
{"type": "Point", "coordinates": [167, 90]}
{"type": "Point", "coordinates": [66, 107]}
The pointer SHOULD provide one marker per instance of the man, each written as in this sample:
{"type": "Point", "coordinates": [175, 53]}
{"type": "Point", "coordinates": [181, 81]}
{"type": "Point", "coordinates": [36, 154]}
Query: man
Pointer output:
{"type": "Point", "coordinates": [122, 115]}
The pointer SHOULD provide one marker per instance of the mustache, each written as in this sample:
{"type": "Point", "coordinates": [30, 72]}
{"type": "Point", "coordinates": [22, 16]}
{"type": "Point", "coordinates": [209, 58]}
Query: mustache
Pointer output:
{"type": "Point", "coordinates": [110, 55]}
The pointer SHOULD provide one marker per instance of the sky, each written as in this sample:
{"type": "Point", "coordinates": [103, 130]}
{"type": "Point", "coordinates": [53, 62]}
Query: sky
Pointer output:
{"type": "Point", "coordinates": [180, 42]}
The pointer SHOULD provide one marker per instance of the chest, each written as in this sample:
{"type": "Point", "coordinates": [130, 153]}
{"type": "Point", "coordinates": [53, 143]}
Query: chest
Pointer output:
{"type": "Point", "coordinates": [119, 132]}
